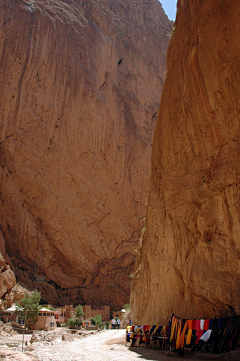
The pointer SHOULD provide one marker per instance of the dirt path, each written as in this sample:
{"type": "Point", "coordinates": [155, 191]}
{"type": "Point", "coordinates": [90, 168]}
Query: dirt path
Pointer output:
{"type": "Point", "coordinates": [107, 345]}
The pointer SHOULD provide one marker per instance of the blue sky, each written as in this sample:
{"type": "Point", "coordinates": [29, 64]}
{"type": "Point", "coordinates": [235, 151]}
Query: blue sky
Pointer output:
{"type": "Point", "coordinates": [169, 7]}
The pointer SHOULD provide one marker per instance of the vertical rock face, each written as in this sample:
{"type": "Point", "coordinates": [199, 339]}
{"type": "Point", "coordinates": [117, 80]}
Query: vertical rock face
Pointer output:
{"type": "Point", "coordinates": [80, 85]}
{"type": "Point", "coordinates": [190, 259]}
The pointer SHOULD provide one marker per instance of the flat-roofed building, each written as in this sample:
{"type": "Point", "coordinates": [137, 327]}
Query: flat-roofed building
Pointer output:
{"type": "Point", "coordinates": [104, 312]}
{"type": "Point", "coordinates": [45, 321]}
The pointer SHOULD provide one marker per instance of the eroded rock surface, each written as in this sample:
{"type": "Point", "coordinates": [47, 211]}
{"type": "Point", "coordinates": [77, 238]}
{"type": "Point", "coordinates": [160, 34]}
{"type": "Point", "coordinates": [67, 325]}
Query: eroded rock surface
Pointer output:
{"type": "Point", "coordinates": [80, 87]}
{"type": "Point", "coordinates": [9, 292]}
{"type": "Point", "coordinates": [190, 258]}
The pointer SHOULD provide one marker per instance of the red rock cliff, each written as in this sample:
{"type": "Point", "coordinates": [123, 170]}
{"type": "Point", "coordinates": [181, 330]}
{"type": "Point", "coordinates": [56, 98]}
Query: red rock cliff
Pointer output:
{"type": "Point", "coordinates": [80, 85]}
{"type": "Point", "coordinates": [190, 257]}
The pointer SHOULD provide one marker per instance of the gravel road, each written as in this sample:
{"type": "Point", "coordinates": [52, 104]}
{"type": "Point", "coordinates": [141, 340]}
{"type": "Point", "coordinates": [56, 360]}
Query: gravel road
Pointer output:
{"type": "Point", "coordinates": [107, 345]}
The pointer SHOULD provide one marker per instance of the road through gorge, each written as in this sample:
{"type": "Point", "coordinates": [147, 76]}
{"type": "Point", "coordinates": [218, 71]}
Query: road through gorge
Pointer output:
{"type": "Point", "coordinates": [107, 345]}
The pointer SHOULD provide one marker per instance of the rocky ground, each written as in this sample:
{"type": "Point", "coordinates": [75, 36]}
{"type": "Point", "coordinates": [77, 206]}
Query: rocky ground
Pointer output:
{"type": "Point", "coordinates": [63, 345]}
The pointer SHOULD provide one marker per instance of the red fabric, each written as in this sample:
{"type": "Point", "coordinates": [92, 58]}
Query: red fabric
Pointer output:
{"type": "Point", "coordinates": [193, 325]}
{"type": "Point", "coordinates": [206, 325]}
{"type": "Point", "coordinates": [199, 334]}
{"type": "Point", "coordinates": [197, 326]}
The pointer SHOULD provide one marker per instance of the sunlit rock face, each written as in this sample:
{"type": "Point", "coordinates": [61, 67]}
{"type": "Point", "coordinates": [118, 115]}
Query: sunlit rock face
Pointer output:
{"type": "Point", "coordinates": [189, 262]}
{"type": "Point", "coordinates": [8, 290]}
{"type": "Point", "coordinates": [80, 87]}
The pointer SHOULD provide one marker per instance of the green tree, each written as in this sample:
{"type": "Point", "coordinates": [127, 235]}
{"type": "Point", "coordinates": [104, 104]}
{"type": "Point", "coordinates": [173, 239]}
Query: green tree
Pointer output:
{"type": "Point", "coordinates": [28, 308]}
{"type": "Point", "coordinates": [79, 314]}
{"type": "Point", "coordinates": [126, 306]}
{"type": "Point", "coordinates": [97, 320]}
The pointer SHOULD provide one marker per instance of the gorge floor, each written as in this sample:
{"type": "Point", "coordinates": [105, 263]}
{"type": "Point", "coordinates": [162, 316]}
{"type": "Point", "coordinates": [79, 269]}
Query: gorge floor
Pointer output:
{"type": "Point", "coordinates": [106, 345]}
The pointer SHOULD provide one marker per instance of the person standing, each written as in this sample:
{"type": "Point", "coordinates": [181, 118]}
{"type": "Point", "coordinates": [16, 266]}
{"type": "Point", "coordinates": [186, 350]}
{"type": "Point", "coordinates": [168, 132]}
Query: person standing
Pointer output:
{"type": "Point", "coordinates": [113, 323]}
{"type": "Point", "coordinates": [118, 323]}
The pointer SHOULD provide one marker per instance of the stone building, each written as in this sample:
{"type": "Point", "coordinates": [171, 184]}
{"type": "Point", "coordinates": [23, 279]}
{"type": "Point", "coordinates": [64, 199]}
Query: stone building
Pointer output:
{"type": "Point", "coordinates": [104, 312]}
{"type": "Point", "coordinates": [44, 321]}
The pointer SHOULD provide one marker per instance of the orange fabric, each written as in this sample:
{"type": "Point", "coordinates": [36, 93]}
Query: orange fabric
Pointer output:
{"type": "Point", "coordinates": [182, 337]}
{"type": "Point", "coordinates": [189, 324]}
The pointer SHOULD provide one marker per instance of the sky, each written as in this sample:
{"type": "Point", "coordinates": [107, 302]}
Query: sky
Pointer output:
{"type": "Point", "coordinates": [169, 7]}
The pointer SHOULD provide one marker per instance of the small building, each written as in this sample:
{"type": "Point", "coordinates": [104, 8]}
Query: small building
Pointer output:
{"type": "Point", "coordinates": [59, 314]}
{"type": "Point", "coordinates": [10, 315]}
{"type": "Point", "coordinates": [104, 312]}
{"type": "Point", "coordinates": [44, 321]}
{"type": "Point", "coordinates": [62, 315]}
{"type": "Point", "coordinates": [68, 313]}
{"type": "Point", "coordinates": [119, 313]}
{"type": "Point", "coordinates": [86, 323]}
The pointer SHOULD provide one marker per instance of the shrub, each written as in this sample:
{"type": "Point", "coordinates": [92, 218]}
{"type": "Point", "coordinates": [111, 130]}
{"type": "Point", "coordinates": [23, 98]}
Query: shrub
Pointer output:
{"type": "Point", "coordinates": [72, 322]}
{"type": "Point", "coordinates": [97, 320]}
{"type": "Point", "coordinates": [107, 323]}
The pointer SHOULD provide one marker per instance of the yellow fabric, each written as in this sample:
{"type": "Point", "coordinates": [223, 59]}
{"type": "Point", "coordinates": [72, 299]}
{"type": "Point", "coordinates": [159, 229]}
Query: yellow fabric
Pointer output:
{"type": "Point", "coordinates": [176, 330]}
{"type": "Point", "coordinates": [178, 334]}
{"type": "Point", "coordinates": [189, 337]}
{"type": "Point", "coordinates": [174, 321]}
{"type": "Point", "coordinates": [154, 333]}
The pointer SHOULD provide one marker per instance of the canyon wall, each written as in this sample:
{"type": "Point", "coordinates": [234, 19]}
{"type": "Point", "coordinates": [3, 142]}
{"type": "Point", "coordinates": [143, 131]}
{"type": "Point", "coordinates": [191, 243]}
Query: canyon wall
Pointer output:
{"type": "Point", "coordinates": [80, 87]}
{"type": "Point", "coordinates": [189, 260]}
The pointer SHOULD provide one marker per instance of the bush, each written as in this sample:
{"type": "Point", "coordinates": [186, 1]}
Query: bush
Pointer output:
{"type": "Point", "coordinates": [72, 322]}
{"type": "Point", "coordinates": [107, 324]}
{"type": "Point", "coordinates": [97, 320]}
